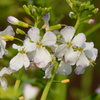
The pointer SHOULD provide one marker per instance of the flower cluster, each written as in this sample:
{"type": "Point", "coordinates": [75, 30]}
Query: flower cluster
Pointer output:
{"type": "Point", "coordinates": [43, 50]}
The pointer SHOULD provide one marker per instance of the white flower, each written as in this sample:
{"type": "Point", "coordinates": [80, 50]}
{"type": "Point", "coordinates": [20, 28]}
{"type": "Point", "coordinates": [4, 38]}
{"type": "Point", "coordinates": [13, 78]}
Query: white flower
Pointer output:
{"type": "Point", "coordinates": [82, 57]}
{"type": "Point", "coordinates": [69, 42]}
{"type": "Point", "coordinates": [63, 68]}
{"type": "Point", "coordinates": [21, 58]}
{"type": "Point", "coordinates": [7, 32]}
{"type": "Point", "coordinates": [30, 92]}
{"type": "Point", "coordinates": [3, 81]}
{"type": "Point", "coordinates": [41, 56]}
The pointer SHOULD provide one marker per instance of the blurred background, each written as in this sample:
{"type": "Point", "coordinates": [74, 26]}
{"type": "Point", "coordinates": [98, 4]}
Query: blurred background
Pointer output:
{"type": "Point", "coordinates": [80, 86]}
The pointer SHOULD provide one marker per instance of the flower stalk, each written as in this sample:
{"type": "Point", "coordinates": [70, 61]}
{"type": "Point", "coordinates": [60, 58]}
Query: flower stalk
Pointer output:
{"type": "Point", "coordinates": [49, 82]}
{"type": "Point", "coordinates": [17, 83]}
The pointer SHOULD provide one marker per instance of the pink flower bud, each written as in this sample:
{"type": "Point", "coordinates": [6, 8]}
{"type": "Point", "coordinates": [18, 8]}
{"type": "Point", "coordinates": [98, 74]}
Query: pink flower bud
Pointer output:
{"type": "Point", "coordinates": [91, 21]}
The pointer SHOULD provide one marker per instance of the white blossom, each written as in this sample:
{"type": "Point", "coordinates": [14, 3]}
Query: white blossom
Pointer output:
{"type": "Point", "coordinates": [41, 55]}
{"type": "Point", "coordinates": [21, 59]}
{"type": "Point", "coordinates": [30, 92]}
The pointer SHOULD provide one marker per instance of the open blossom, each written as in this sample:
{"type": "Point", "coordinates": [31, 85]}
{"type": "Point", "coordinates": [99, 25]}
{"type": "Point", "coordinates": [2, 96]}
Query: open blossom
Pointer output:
{"type": "Point", "coordinates": [82, 57]}
{"type": "Point", "coordinates": [3, 81]}
{"type": "Point", "coordinates": [7, 32]}
{"type": "Point", "coordinates": [41, 55]}
{"type": "Point", "coordinates": [21, 59]}
{"type": "Point", "coordinates": [69, 42]}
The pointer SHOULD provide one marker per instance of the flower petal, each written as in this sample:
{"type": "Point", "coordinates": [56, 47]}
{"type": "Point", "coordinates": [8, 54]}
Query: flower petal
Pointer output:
{"type": "Point", "coordinates": [17, 62]}
{"type": "Point", "coordinates": [60, 51]}
{"type": "Point", "coordinates": [64, 68]}
{"type": "Point", "coordinates": [79, 70]}
{"type": "Point", "coordinates": [34, 34]}
{"type": "Point", "coordinates": [8, 31]}
{"type": "Point", "coordinates": [49, 38]}
{"type": "Point", "coordinates": [4, 83]}
{"type": "Point", "coordinates": [29, 46]}
{"type": "Point", "coordinates": [79, 39]}
{"type": "Point", "coordinates": [42, 57]}
{"type": "Point", "coordinates": [83, 61]}
{"type": "Point", "coordinates": [2, 48]}
{"type": "Point", "coordinates": [73, 57]}
{"type": "Point", "coordinates": [88, 45]}
{"type": "Point", "coordinates": [48, 71]}
{"type": "Point", "coordinates": [68, 33]}
{"type": "Point", "coordinates": [5, 71]}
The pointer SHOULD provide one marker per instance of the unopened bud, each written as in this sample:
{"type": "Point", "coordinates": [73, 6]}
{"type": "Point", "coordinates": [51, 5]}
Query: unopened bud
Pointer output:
{"type": "Point", "coordinates": [55, 27]}
{"type": "Point", "coordinates": [72, 15]}
{"type": "Point", "coordinates": [91, 21]}
{"type": "Point", "coordinates": [7, 38]}
{"type": "Point", "coordinates": [23, 24]}
{"type": "Point", "coordinates": [19, 31]}
{"type": "Point", "coordinates": [13, 20]}
{"type": "Point", "coordinates": [65, 81]}
{"type": "Point", "coordinates": [95, 10]}
{"type": "Point", "coordinates": [27, 10]}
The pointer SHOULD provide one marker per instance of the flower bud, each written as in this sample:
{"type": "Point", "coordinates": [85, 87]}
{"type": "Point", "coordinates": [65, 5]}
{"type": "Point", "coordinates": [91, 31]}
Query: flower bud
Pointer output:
{"type": "Point", "coordinates": [27, 10]}
{"type": "Point", "coordinates": [91, 21]}
{"type": "Point", "coordinates": [7, 38]}
{"type": "Point", "coordinates": [55, 27]}
{"type": "Point", "coordinates": [23, 24]}
{"type": "Point", "coordinates": [13, 20]}
{"type": "Point", "coordinates": [95, 10]}
{"type": "Point", "coordinates": [19, 31]}
{"type": "Point", "coordinates": [72, 15]}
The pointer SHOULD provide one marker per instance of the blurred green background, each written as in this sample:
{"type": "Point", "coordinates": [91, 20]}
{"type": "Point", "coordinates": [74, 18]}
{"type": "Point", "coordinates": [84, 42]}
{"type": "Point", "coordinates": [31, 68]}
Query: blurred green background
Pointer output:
{"type": "Point", "coordinates": [80, 86]}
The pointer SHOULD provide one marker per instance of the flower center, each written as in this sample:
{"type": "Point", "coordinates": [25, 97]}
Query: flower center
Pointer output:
{"type": "Point", "coordinates": [39, 44]}
{"type": "Point", "coordinates": [22, 51]}
{"type": "Point", "coordinates": [80, 49]}
{"type": "Point", "coordinates": [69, 44]}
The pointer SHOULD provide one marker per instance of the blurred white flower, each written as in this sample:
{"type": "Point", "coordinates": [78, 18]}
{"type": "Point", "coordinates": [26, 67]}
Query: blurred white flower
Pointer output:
{"type": "Point", "coordinates": [7, 32]}
{"type": "Point", "coordinates": [3, 81]}
{"type": "Point", "coordinates": [30, 92]}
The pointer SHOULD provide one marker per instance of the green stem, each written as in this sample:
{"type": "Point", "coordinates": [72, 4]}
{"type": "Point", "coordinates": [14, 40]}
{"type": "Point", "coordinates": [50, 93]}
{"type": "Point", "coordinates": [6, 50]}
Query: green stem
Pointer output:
{"type": "Point", "coordinates": [17, 83]}
{"type": "Point", "coordinates": [77, 22]}
{"type": "Point", "coordinates": [94, 28]}
{"type": "Point", "coordinates": [61, 89]}
{"type": "Point", "coordinates": [19, 39]}
{"type": "Point", "coordinates": [49, 82]}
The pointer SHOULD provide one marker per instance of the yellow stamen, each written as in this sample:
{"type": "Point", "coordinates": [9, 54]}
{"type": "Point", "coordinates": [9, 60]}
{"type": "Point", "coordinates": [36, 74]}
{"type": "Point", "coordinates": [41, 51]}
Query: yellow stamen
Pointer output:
{"type": "Point", "coordinates": [58, 37]}
{"type": "Point", "coordinates": [39, 44]}
{"type": "Point", "coordinates": [80, 49]}
{"type": "Point", "coordinates": [22, 51]}
{"type": "Point", "coordinates": [69, 44]}
{"type": "Point", "coordinates": [44, 26]}
{"type": "Point", "coordinates": [65, 81]}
